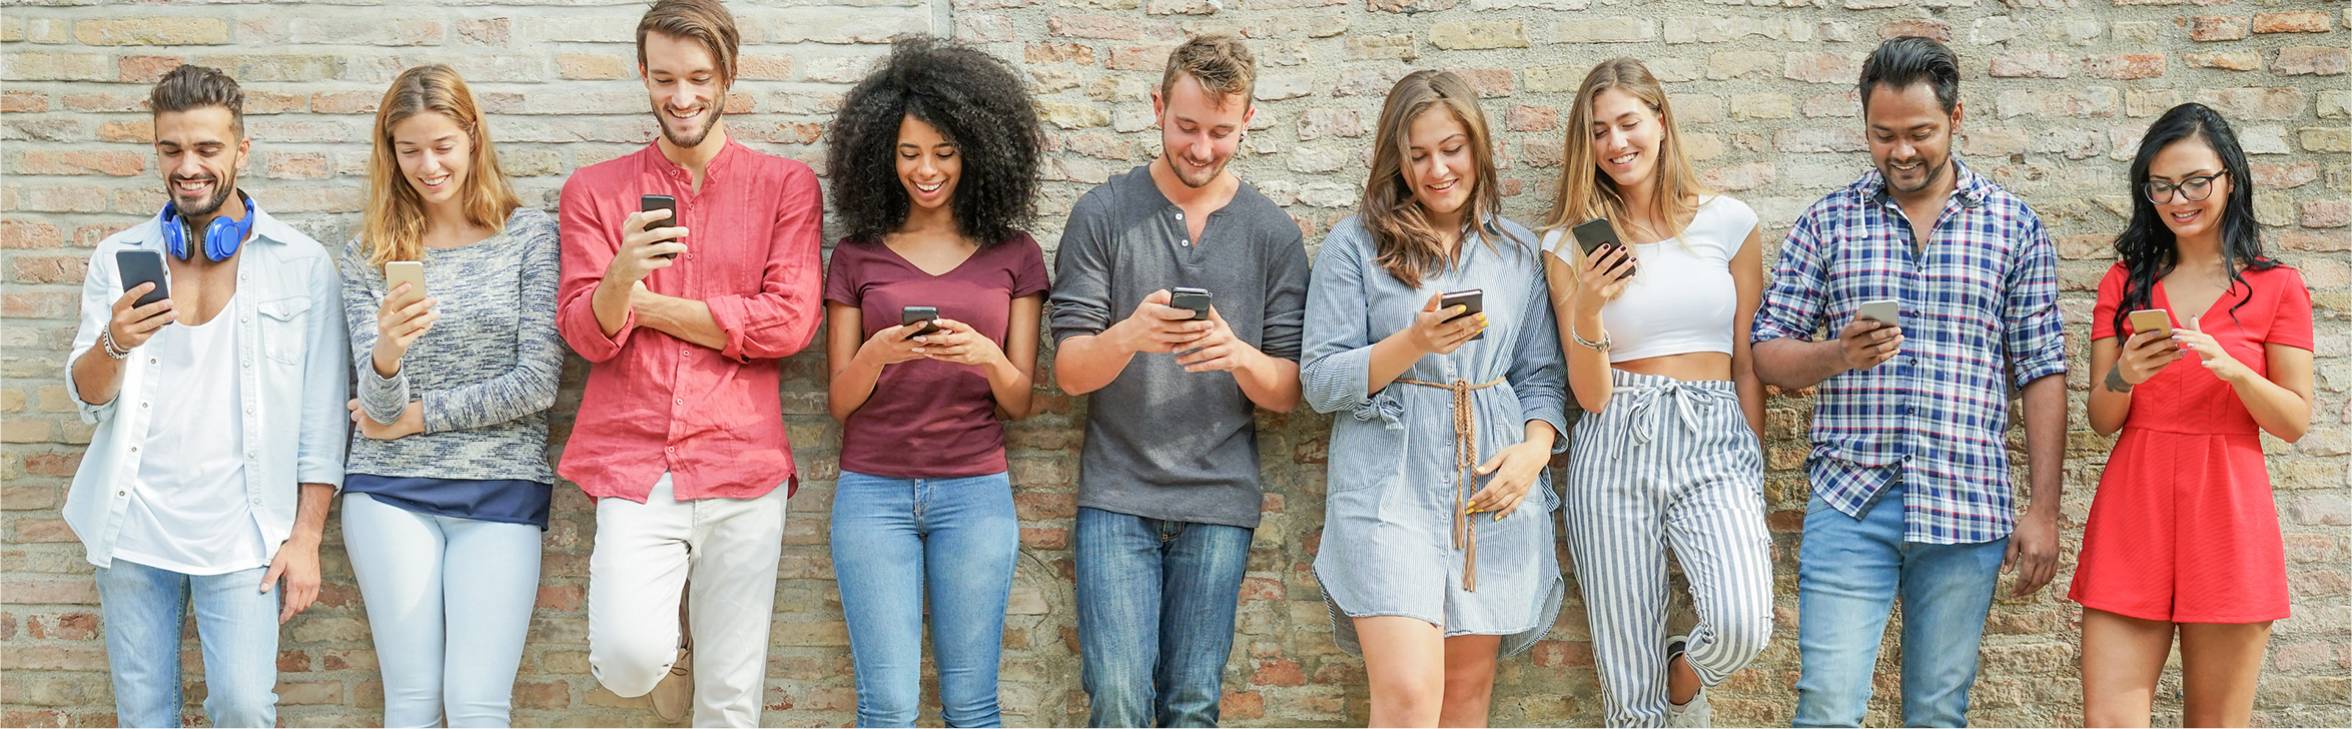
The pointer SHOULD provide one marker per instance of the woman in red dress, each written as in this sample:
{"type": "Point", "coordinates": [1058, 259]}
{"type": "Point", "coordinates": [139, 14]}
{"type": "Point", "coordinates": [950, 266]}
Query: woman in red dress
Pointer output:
{"type": "Point", "coordinates": [2183, 535]}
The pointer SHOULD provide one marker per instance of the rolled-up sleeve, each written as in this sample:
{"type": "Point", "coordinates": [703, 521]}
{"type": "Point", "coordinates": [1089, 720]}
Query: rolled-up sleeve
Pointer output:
{"type": "Point", "coordinates": [589, 244]}
{"type": "Point", "coordinates": [1538, 372]}
{"type": "Point", "coordinates": [1335, 355]}
{"type": "Point", "coordinates": [1082, 274]}
{"type": "Point", "coordinates": [2036, 335]}
{"type": "Point", "coordinates": [1286, 302]}
{"type": "Point", "coordinates": [100, 289]}
{"type": "Point", "coordinates": [781, 319]}
{"type": "Point", "coordinates": [1794, 301]}
{"type": "Point", "coordinates": [318, 456]}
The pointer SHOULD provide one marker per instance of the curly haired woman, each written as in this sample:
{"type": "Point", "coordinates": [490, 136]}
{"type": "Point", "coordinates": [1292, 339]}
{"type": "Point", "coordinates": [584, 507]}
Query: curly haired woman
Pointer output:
{"type": "Point", "coordinates": [932, 308]}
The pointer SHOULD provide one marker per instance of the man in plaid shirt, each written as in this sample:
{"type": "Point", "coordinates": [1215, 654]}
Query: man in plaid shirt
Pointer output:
{"type": "Point", "coordinates": [1910, 472]}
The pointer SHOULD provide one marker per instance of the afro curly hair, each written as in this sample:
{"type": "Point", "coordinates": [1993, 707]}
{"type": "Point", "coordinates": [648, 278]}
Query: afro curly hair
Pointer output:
{"type": "Point", "coordinates": [976, 101]}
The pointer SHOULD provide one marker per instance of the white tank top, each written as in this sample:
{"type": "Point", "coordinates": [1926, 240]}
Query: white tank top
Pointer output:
{"type": "Point", "coordinates": [188, 511]}
{"type": "Point", "coordinates": [1683, 300]}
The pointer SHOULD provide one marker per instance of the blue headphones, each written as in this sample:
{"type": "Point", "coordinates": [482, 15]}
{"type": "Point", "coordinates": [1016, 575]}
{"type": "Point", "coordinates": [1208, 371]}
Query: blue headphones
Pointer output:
{"type": "Point", "coordinates": [221, 236]}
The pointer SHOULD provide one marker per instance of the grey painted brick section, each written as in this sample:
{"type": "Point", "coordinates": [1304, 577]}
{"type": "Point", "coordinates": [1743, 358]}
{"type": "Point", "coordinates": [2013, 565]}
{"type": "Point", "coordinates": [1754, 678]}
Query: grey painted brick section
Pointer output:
{"type": "Point", "coordinates": [2056, 96]}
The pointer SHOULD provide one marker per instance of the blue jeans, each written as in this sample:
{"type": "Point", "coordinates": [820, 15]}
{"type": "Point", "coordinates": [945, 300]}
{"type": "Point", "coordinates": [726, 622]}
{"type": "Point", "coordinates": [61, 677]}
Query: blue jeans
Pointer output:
{"type": "Point", "coordinates": [236, 625]}
{"type": "Point", "coordinates": [894, 540]}
{"type": "Point", "coordinates": [448, 600]}
{"type": "Point", "coordinates": [1849, 574]}
{"type": "Point", "coordinates": [1155, 616]}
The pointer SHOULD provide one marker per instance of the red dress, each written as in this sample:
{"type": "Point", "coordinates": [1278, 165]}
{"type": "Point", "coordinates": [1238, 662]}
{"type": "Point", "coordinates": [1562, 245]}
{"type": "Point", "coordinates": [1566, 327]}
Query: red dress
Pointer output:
{"type": "Point", "coordinates": [2183, 528]}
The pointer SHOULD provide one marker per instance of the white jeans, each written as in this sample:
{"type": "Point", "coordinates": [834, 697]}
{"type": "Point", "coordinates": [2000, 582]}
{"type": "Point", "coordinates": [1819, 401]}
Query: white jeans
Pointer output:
{"type": "Point", "coordinates": [645, 554]}
{"type": "Point", "coordinates": [449, 601]}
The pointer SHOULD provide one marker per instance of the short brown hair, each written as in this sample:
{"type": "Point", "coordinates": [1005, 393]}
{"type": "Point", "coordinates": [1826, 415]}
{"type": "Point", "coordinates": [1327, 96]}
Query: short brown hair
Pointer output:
{"type": "Point", "coordinates": [1219, 62]}
{"type": "Point", "coordinates": [193, 87]}
{"type": "Point", "coordinates": [702, 21]}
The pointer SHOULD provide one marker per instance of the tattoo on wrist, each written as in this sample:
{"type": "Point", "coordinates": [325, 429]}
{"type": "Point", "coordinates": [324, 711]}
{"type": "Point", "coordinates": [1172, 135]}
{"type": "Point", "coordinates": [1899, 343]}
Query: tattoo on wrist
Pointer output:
{"type": "Point", "coordinates": [2115, 381]}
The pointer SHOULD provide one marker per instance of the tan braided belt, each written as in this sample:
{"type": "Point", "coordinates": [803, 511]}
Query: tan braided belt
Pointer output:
{"type": "Point", "coordinates": [1466, 461]}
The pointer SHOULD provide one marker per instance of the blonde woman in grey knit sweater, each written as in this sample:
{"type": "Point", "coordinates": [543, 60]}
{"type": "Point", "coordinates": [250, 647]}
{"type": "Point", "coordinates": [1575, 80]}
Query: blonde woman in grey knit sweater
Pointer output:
{"type": "Point", "coordinates": [449, 482]}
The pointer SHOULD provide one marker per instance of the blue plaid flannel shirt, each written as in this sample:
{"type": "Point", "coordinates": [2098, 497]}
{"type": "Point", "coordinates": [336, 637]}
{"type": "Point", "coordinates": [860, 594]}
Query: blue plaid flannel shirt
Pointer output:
{"type": "Point", "coordinates": [1979, 317]}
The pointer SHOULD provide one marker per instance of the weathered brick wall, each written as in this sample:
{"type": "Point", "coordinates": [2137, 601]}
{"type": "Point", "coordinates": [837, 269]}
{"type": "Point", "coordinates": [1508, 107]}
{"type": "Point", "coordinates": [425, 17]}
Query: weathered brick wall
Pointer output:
{"type": "Point", "coordinates": [2057, 92]}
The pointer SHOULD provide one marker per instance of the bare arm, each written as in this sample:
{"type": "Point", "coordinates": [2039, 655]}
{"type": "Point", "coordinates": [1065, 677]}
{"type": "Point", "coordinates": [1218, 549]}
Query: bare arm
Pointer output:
{"type": "Point", "coordinates": [1747, 278]}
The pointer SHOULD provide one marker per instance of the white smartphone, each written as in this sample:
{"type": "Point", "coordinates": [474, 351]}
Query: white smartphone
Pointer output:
{"type": "Point", "coordinates": [1887, 311]}
{"type": "Point", "coordinates": [408, 272]}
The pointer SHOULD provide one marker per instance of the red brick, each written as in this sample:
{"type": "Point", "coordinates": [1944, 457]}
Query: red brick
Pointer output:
{"type": "Point", "coordinates": [145, 69]}
{"type": "Point", "coordinates": [560, 598]}
{"type": "Point", "coordinates": [2307, 21]}
{"type": "Point", "coordinates": [16, 102]}
{"type": "Point", "coordinates": [299, 166]}
{"type": "Point", "coordinates": [1278, 672]}
{"type": "Point", "coordinates": [1050, 52]}
{"type": "Point", "coordinates": [139, 131]}
{"type": "Point", "coordinates": [2207, 28]}
{"type": "Point", "coordinates": [15, 233]}
{"type": "Point", "coordinates": [1243, 704]}
{"type": "Point", "coordinates": [542, 695]}
{"type": "Point", "coordinates": [293, 661]}
{"type": "Point", "coordinates": [47, 269]}
{"type": "Point", "coordinates": [116, 164]}
{"type": "Point", "coordinates": [1916, 27]}
{"type": "Point", "coordinates": [2125, 66]}
{"type": "Point", "coordinates": [53, 465]}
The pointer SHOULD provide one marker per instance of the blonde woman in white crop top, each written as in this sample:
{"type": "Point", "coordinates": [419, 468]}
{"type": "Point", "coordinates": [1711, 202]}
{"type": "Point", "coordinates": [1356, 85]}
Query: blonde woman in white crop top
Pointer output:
{"type": "Point", "coordinates": [1656, 336]}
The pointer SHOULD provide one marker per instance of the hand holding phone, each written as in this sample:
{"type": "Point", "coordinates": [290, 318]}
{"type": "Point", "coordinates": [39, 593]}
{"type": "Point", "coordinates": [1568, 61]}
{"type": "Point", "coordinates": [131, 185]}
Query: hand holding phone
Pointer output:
{"type": "Point", "coordinates": [145, 306]}
{"type": "Point", "coordinates": [927, 316]}
{"type": "Point", "coordinates": [411, 273]}
{"type": "Point", "coordinates": [1472, 301]}
{"type": "Point", "coordinates": [1873, 336]}
{"type": "Point", "coordinates": [650, 203]}
{"type": "Point", "coordinates": [1190, 299]}
{"type": "Point", "coordinates": [2150, 348]}
{"type": "Point", "coordinates": [1438, 329]}
{"type": "Point", "coordinates": [649, 241]}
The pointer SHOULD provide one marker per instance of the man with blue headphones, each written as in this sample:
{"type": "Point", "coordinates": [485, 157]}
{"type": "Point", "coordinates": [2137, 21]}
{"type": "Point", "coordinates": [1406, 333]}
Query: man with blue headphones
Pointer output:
{"type": "Point", "coordinates": [219, 421]}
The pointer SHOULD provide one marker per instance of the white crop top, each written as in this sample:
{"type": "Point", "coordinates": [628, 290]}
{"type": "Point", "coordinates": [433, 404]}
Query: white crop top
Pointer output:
{"type": "Point", "coordinates": [1683, 299]}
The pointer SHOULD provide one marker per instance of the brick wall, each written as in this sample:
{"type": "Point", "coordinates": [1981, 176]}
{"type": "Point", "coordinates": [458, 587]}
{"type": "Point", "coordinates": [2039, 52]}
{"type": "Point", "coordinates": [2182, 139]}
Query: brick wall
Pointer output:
{"type": "Point", "coordinates": [2056, 91]}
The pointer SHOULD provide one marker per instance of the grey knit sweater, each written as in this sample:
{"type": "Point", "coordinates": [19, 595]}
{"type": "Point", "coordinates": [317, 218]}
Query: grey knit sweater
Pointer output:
{"type": "Point", "coordinates": [486, 372]}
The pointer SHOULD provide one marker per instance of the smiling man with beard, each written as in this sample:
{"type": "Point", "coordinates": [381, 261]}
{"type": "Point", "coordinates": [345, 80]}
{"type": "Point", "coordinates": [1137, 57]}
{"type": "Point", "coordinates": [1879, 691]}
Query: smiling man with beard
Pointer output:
{"type": "Point", "coordinates": [219, 435]}
{"type": "Point", "coordinates": [1910, 468]}
{"type": "Point", "coordinates": [1168, 489]}
{"type": "Point", "coordinates": [684, 321]}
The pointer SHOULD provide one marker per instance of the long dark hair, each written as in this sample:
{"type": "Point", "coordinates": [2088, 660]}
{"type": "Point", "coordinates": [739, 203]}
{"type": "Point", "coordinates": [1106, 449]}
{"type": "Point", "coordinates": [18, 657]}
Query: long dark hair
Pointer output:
{"type": "Point", "coordinates": [2147, 247]}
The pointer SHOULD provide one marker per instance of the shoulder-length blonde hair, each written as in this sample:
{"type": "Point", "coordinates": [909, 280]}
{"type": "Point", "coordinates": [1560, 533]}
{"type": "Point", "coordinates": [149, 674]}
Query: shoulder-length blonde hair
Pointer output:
{"type": "Point", "coordinates": [395, 223]}
{"type": "Point", "coordinates": [1407, 244]}
{"type": "Point", "coordinates": [1586, 192]}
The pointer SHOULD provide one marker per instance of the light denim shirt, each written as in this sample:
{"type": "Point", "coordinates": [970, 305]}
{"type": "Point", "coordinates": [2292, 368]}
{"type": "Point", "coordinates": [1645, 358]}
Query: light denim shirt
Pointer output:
{"type": "Point", "coordinates": [293, 390]}
{"type": "Point", "coordinates": [1353, 304]}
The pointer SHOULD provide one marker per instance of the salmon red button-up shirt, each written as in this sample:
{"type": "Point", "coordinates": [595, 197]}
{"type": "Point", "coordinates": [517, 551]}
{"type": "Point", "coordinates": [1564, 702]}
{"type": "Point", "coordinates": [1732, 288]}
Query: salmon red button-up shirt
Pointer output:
{"type": "Point", "coordinates": [713, 419]}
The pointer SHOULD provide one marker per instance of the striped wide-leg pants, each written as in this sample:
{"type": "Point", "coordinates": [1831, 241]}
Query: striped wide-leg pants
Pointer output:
{"type": "Point", "coordinates": [1668, 463]}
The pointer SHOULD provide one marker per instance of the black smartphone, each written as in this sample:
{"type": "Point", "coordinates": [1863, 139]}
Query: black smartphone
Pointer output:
{"type": "Point", "coordinates": [660, 202]}
{"type": "Point", "coordinates": [927, 316]}
{"type": "Point", "coordinates": [138, 267]}
{"type": "Point", "coordinates": [1472, 302]}
{"type": "Point", "coordinates": [1594, 233]}
{"type": "Point", "coordinates": [1186, 297]}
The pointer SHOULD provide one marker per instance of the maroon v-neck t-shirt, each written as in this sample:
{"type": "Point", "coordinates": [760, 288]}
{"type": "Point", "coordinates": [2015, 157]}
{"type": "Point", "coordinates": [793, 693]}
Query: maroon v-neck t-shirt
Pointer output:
{"type": "Point", "coordinates": [926, 418]}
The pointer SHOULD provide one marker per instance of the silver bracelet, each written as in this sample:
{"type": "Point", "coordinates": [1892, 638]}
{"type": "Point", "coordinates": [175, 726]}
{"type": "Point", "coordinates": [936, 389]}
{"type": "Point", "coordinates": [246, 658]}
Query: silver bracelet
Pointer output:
{"type": "Point", "coordinates": [1600, 346]}
{"type": "Point", "coordinates": [106, 344]}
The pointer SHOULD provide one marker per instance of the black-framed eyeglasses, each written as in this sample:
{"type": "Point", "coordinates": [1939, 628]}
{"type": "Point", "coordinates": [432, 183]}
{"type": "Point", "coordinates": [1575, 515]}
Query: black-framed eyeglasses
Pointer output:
{"type": "Point", "coordinates": [2194, 188]}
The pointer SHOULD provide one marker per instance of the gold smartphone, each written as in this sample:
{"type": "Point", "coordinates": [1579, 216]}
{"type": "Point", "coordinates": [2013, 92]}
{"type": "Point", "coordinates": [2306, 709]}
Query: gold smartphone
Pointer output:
{"type": "Point", "coordinates": [408, 272]}
{"type": "Point", "coordinates": [2151, 320]}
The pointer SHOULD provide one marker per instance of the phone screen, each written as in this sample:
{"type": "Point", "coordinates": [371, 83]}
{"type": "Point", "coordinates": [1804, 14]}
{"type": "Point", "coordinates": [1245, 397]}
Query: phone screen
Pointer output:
{"type": "Point", "coordinates": [138, 267]}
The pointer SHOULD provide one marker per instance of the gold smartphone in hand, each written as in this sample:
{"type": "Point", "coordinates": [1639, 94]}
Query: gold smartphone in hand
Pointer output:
{"type": "Point", "coordinates": [2151, 320]}
{"type": "Point", "coordinates": [405, 272]}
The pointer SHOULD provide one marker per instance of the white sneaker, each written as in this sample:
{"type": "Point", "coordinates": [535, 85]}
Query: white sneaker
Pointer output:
{"type": "Point", "coordinates": [1696, 712]}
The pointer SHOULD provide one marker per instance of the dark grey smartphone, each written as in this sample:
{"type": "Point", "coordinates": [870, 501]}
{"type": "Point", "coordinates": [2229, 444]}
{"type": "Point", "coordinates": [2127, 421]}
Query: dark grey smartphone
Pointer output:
{"type": "Point", "coordinates": [1185, 297]}
{"type": "Point", "coordinates": [1472, 302]}
{"type": "Point", "coordinates": [138, 267]}
{"type": "Point", "coordinates": [1594, 233]}
{"type": "Point", "coordinates": [927, 316]}
{"type": "Point", "coordinates": [660, 202]}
